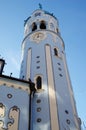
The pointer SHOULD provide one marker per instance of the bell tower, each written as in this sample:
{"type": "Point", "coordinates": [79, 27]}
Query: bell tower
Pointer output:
{"type": "Point", "coordinates": [43, 60]}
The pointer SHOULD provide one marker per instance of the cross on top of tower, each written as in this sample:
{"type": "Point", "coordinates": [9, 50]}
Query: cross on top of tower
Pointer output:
{"type": "Point", "coordinates": [40, 6]}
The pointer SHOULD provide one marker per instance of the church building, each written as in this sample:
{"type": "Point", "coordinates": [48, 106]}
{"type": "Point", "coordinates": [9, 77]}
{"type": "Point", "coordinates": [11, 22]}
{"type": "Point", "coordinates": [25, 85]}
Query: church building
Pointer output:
{"type": "Point", "coordinates": [42, 98]}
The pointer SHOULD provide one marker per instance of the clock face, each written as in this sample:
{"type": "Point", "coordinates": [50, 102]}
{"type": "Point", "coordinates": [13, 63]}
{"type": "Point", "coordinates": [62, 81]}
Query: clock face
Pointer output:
{"type": "Point", "coordinates": [38, 36]}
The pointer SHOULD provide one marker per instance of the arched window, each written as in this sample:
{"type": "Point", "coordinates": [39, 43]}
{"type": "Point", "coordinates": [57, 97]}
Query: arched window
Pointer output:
{"type": "Point", "coordinates": [55, 52]}
{"type": "Point", "coordinates": [42, 25]}
{"type": "Point", "coordinates": [34, 26]}
{"type": "Point", "coordinates": [39, 82]}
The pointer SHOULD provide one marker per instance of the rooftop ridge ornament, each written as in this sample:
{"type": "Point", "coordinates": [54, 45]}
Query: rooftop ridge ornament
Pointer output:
{"type": "Point", "coordinates": [40, 6]}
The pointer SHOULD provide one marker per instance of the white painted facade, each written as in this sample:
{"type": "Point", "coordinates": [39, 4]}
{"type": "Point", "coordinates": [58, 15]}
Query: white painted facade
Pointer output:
{"type": "Point", "coordinates": [43, 61]}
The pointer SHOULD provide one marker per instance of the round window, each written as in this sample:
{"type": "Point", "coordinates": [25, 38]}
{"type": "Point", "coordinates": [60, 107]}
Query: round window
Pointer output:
{"type": "Point", "coordinates": [9, 95]}
{"type": "Point", "coordinates": [39, 120]}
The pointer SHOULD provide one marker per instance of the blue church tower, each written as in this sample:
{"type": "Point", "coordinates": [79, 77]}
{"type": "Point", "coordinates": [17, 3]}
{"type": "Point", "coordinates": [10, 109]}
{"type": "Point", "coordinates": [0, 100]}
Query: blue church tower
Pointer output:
{"type": "Point", "coordinates": [43, 61]}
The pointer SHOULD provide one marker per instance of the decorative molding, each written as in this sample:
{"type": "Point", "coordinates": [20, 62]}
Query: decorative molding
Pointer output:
{"type": "Point", "coordinates": [52, 96]}
{"type": "Point", "coordinates": [15, 85]}
{"type": "Point", "coordinates": [38, 36]}
{"type": "Point", "coordinates": [14, 114]}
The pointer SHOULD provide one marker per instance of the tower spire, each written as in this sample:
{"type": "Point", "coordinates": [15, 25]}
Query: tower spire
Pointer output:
{"type": "Point", "coordinates": [40, 6]}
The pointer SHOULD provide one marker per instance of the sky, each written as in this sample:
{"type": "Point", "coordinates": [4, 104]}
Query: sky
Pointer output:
{"type": "Point", "coordinates": [71, 15]}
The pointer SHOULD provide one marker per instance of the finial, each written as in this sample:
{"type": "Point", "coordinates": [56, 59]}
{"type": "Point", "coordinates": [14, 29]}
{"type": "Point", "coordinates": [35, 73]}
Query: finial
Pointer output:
{"type": "Point", "coordinates": [11, 74]}
{"type": "Point", "coordinates": [40, 6]}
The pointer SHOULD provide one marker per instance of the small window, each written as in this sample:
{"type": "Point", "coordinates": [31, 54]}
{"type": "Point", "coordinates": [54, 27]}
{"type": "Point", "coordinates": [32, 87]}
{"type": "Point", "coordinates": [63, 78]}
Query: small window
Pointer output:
{"type": "Point", "coordinates": [38, 62]}
{"type": "Point", "coordinates": [39, 120]}
{"type": "Point", "coordinates": [38, 109]}
{"type": "Point", "coordinates": [59, 69]}
{"type": "Point", "coordinates": [60, 75]}
{"type": "Point", "coordinates": [9, 95]}
{"type": "Point", "coordinates": [66, 111]}
{"type": "Point", "coordinates": [38, 67]}
{"type": "Point", "coordinates": [34, 26]}
{"type": "Point", "coordinates": [42, 25]}
{"type": "Point", "coordinates": [57, 30]}
{"type": "Point", "coordinates": [68, 121]}
{"type": "Point", "coordinates": [58, 63]}
{"type": "Point", "coordinates": [38, 57]}
{"type": "Point", "coordinates": [39, 82]}
{"type": "Point", "coordinates": [55, 52]}
{"type": "Point", "coordinates": [38, 100]}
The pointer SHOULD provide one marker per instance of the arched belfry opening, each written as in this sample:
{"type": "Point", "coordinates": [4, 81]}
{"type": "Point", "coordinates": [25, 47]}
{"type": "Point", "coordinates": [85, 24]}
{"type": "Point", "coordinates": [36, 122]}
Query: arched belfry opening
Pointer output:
{"type": "Point", "coordinates": [34, 26]}
{"type": "Point", "coordinates": [39, 82]}
{"type": "Point", "coordinates": [42, 25]}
